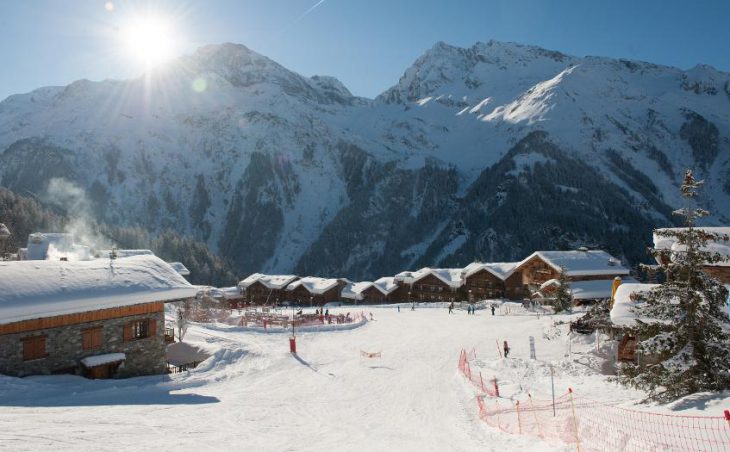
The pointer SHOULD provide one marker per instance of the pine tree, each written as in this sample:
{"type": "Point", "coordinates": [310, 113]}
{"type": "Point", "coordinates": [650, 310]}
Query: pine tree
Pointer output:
{"type": "Point", "coordinates": [563, 300]}
{"type": "Point", "coordinates": [682, 327]}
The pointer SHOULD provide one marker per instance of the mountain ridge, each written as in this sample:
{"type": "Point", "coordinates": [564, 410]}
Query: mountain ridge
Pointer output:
{"type": "Point", "coordinates": [281, 172]}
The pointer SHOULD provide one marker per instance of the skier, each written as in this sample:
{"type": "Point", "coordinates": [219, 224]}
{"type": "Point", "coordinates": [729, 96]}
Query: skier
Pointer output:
{"type": "Point", "coordinates": [492, 309]}
{"type": "Point", "coordinates": [506, 349]}
{"type": "Point", "coordinates": [451, 307]}
{"type": "Point", "coordinates": [398, 308]}
{"type": "Point", "coordinates": [371, 316]}
{"type": "Point", "coordinates": [413, 306]}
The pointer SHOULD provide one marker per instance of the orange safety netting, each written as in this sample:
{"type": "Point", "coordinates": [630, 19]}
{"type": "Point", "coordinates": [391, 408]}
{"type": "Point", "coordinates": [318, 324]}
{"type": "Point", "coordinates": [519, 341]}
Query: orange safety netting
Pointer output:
{"type": "Point", "coordinates": [593, 425]}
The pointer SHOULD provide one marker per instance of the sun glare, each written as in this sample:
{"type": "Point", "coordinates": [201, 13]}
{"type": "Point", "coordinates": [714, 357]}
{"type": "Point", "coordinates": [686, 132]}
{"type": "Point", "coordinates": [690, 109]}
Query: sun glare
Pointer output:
{"type": "Point", "coordinates": [149, 40]}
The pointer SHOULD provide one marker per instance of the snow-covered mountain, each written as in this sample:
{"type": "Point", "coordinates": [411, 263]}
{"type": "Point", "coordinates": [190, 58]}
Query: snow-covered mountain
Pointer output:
{"type": "Point", "coordinates": [487, 152]}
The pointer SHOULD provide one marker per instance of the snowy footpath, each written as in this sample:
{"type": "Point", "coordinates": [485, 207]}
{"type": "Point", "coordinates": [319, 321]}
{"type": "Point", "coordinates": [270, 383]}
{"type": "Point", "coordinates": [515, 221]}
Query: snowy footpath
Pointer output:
{"type": "Point", "coordinates": [252, 394]}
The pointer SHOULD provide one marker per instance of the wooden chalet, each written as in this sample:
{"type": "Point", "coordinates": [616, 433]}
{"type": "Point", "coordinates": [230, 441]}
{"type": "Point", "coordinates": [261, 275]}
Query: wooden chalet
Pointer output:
{"type": "Point", "coordinates": [491, 280]}
{"type": "Point", "coordinates": [100, 318]}
{"type": "Point", "coordinates": [541, 268]}
{"type": "Point", "coordinates": [429, 285]}
{"type": "Point", "coordinates": [719, 270]}
{"type": "Point", "coordinates": [377, 292]}
{"type": "Point", "coordinates": [315, 291]}
{"type": "Point", "coordinates": [261, 289]}
{"type": "Point", "coordinates": [623, 317]}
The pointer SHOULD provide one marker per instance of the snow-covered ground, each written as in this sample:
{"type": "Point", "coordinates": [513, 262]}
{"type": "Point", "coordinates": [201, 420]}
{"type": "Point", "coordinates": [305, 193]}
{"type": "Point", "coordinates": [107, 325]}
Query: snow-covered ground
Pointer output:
{"type": "Point", "coordinates": [252, 394]}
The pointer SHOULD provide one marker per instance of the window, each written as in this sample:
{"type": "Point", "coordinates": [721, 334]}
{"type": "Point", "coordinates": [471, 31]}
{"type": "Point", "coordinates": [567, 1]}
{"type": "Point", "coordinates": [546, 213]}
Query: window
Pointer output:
{"type": "Point", "coordinates": [140, 329]}
{"type": "Point", "coordinates": [91, 338]}
{"type": "Point", "coordinates": [34, 348]}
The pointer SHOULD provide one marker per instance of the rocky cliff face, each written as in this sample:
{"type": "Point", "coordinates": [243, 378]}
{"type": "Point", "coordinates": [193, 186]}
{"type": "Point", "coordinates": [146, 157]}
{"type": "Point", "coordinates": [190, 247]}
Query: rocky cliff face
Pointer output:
{"type": "Point", "coordinates": [487, 152]}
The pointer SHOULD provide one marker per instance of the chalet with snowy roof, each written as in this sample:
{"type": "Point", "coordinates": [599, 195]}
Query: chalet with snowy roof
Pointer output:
{"type": "Point", "coordinates": [233, 297]}
{"type": "Point", "coordinates": [261, 289]}
{"type": "Point", "coordinates": [100, 318]}
{"type": "Point", "coordinates": [580, 265]}
{"type": "Point", "coordinates": [429, 284]}
{"type": "Point", "coordinates": [367, 292]}
{"type": "Point", "coordinates": [491, 280]}
{"type": "Point", "coordinates": [623, 315]}
{"type": "Point", "coordinates": [721, 246]}
{"type": "Point", "coordinates": [584, 292]}
{"type": "Point", "coordinates": [315, 291]}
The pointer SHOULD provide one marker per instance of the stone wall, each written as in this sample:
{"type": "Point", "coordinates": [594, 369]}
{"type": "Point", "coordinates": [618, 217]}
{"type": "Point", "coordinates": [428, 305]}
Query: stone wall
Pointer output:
{"type": "Point", "coordinates": [65, 350]}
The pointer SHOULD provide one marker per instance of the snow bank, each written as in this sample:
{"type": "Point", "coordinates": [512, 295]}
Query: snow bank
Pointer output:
{"type": "Point", "coordinates": [622, 313]}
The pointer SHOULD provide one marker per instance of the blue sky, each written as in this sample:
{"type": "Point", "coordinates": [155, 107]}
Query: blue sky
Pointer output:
{"type": "Point", "coordinates": [365, 43]}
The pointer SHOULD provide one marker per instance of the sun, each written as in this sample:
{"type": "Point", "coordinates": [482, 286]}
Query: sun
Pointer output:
{"type": "Point", "coordinates": [149, 40]}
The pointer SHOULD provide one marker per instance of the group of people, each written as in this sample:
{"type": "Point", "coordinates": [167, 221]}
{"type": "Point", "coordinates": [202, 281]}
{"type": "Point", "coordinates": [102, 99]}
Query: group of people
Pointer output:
{"type": "Point", "coordinates": [470, 309]}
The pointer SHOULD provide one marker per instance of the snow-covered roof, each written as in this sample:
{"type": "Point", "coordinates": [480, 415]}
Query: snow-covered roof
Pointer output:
{"type": "Point", "coordinates": [100, 360]}
{"type": "Point", "coordinates": [596, 289]}
{"type": "Point", "coordinates": [450, 276]}
{"type": "Point", "coordinates": [722, 246]}
{"type": "Point", "coordinates": [501, 270]}
{"type": "Point", "coordinates": [231, 293]}
{"type": "Point", "coordinates": [125, 253]}
{"type": "Point", "coordinates": [55, 245]}
{"type": "Point", "coordinates": [587, 290]}
{"type": "Point", "coordinates": [353, 290]}
{"type": "Point", "coordinates": [580, 262]}
{"type": "Point", "coordinates": [386, 284]}
{"type": "Point", "coordinates": [269, 281]}
{"type": "Point", "coordinates": [37, 289]}
{"type": "Point", "coordinates": [180, 268]}
{"type": "Point", "coordinates": [314, 285]}
{"type": "Point", "coordinates": [622, 312]}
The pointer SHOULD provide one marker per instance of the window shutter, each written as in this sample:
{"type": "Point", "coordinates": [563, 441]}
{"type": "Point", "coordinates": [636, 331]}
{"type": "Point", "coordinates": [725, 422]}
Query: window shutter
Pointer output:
{"type": "Point", "coordinates": [27, 350]}
{"type": "Point", "coordinates": [127, 332]}
{"type": "Point", "coordinates": [34, 348]}
{"type": "Point", "coordinates": [87, 340]}
{"type": "Point", "coordinates": [152, 328]}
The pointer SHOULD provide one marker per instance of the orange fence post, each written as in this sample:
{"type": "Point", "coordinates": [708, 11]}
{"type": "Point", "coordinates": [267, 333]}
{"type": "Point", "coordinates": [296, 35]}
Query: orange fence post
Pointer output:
{"type": "Point", "coordinates": [534, 414]}
{"type": "Point", "coordinates": [496, 387]}
{"type": "Point", "coordinates": [519, 420]}
{"type": "Point", "coordinates": [499, 350]}
{"type": "Point", "coordinates": [575, 420]}
{"type": "Point", "coordinates": [727, 417]}
{"type": "Point", "coordinates": [496, 413]}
